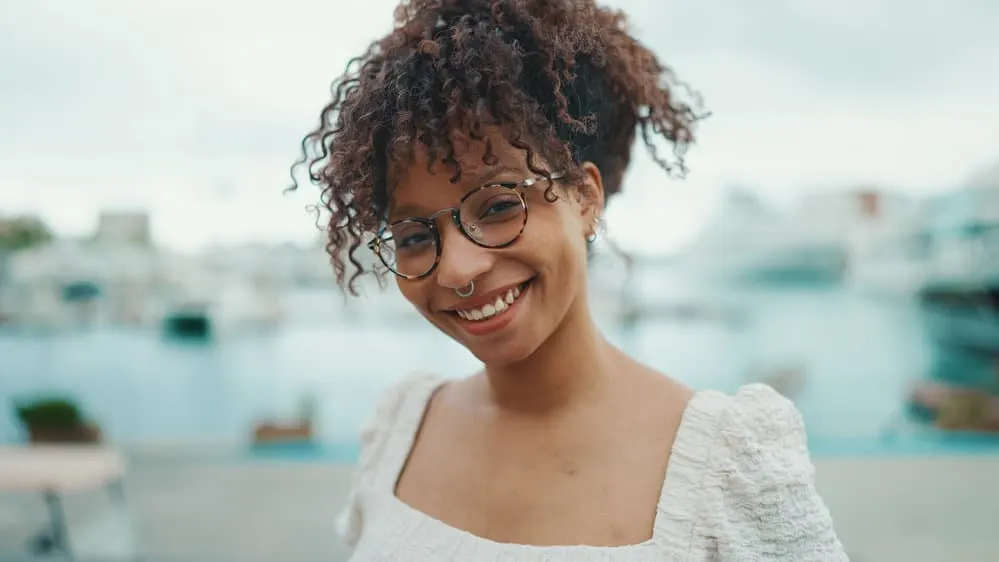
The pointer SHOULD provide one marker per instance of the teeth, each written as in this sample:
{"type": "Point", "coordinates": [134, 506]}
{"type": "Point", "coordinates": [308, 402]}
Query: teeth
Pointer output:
{"type": "Point", "coordinates": [491, 309]}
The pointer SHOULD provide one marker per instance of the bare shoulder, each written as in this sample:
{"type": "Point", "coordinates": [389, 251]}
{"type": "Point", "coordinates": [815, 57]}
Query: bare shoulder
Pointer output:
{"type": "Point", "coordinates": [454, 396]}
{"type": "Point", "coordinates": [661, 392]}
{"type": "Point", "coordinates": [448, 412]}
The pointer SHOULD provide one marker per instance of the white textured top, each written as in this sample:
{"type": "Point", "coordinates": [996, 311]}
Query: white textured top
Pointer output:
{"type": "Point", "coordinates": [739, 486]}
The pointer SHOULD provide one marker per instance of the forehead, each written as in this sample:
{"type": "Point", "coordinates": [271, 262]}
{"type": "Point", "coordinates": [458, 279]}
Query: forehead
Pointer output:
{"type": "Point", "coordinates": [417, 188]}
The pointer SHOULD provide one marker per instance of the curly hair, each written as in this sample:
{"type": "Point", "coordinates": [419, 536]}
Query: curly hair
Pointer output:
{"type": "Point", "coordinates": [560, 79]}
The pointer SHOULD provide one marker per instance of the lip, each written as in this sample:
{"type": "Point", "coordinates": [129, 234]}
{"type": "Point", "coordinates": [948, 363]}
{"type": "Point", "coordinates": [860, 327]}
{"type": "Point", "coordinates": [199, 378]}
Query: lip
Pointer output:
{"type": "Point", "coordinates": [499, 321]}
{"type": "Point", "coordinates": [485, 298]}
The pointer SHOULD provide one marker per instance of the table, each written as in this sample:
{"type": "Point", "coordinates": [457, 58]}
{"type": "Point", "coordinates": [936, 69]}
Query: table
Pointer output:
{"type": "Point", "coordinates": [54, 470]}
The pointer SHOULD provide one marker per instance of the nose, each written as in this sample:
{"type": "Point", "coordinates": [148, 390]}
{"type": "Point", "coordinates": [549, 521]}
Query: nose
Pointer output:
{"type": "Point", "coordinates": [462, 261]}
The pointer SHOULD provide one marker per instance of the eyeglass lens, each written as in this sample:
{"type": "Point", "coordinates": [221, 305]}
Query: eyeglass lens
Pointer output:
{"type": "Point", "coordinates": [491, 217]}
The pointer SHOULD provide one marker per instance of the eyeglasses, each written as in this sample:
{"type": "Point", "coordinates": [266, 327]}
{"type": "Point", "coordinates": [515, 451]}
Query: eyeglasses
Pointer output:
{"type": "Point", "coordinates": [491, 216]}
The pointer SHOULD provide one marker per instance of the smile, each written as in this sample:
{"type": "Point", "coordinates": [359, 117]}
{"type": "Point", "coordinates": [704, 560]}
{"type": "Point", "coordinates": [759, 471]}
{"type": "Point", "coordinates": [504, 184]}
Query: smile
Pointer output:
{"type": "Point", "coordinates": [494, 313]}
{"type": "Point", "coordinates": [487, 311]}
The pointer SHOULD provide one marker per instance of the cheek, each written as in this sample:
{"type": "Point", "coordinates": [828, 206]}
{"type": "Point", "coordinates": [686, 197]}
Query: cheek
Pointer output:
{"type": "Point", "coordinates": [570, 237]}
{"type": "Point", "coordinates": [556, 247]}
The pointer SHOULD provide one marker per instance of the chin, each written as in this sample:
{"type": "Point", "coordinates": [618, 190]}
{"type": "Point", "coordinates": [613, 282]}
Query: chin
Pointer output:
{"type": "Point", "coordinates": [504, 353]}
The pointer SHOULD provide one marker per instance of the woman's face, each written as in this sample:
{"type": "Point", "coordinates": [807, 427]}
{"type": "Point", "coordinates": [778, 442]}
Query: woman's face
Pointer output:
{"type": "Point", "coordinates": [543, 273]}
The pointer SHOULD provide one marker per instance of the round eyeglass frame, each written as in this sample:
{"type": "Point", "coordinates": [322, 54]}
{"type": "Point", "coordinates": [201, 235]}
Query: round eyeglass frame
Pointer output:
{"type": "Point", "coordinates": [454, 213]}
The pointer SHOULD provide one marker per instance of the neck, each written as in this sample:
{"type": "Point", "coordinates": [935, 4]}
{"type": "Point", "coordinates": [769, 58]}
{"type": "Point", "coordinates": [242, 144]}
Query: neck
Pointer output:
{"type": "Point", "coordinates": [570, 367]}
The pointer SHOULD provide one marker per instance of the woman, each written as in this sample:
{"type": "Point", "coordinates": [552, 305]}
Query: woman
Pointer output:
{"type": "Point", "coordinates": [472, 150]}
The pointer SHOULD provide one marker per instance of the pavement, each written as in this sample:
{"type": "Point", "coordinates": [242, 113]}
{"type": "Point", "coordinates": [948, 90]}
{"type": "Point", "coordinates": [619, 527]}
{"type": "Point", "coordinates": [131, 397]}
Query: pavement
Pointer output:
{"type": "Point", "coordinates": [910, 509]}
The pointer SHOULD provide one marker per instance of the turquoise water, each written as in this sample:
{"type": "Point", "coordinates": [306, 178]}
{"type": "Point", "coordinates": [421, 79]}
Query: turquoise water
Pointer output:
{"type": "Point", "coordinates": [859, 356]}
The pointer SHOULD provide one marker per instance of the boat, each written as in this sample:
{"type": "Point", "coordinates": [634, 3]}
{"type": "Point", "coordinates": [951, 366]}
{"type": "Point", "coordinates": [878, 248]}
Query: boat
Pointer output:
{"type": "Point", "coordinates": [203, 301]}
{"type": "Point", "coordinates": [296, 432]}
{"type": "Point", "coordinates": [749, 241]}
{"type": "Point", "coordinates": [955, 408]}
{"type": "Point", "coordinates": [189, 322]}
{"type": "Point", "coordinates": [889, 255]}
{"type": "Point", "coordinates": [959, 296]}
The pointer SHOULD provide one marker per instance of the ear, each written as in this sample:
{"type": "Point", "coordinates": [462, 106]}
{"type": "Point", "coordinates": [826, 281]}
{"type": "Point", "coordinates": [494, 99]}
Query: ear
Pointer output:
{"type": "Point", "coordinates": [590, 196]}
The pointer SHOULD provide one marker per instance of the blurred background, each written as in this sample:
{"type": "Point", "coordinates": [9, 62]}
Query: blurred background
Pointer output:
{"type": "Point", "coordinates": [837, 237]}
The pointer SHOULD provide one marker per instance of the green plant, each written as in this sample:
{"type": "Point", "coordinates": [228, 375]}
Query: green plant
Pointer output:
{"type": "Point", "coordinates": [22, 232]}
{"type": "Point", "coordinates": [50, 413]}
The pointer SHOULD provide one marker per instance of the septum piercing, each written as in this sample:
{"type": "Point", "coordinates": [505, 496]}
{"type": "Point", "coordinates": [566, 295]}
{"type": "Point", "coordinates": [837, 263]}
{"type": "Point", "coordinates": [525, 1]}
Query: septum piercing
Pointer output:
{"type": "Point", "coordinates": [466, 293]}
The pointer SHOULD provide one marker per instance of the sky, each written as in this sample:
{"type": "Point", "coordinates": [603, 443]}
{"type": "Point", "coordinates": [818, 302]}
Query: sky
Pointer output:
{"type": "Point", "coordinates": [193, 110]}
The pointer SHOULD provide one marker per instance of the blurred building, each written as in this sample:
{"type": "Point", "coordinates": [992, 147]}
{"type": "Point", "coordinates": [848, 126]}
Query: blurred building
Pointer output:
{"type": "Point", "coordinates": [750, 240]}
{"type": "Point", "coordinates": [74, 282]}
{"type": "Point", "coordinates": [129, 227]}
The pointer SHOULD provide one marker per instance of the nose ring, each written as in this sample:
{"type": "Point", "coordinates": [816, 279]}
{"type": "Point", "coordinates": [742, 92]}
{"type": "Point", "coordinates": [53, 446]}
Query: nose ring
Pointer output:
{"type": "Point", "coordinates": [466, 291]}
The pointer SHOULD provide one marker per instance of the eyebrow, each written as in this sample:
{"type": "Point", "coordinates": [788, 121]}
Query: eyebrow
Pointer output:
{"type": "Point", "coordinates": [408, 211]}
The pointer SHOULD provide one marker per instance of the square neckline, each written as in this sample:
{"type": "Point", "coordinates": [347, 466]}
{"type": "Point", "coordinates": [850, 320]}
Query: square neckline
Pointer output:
{"type": "Point", "coordinates": [683, 475]}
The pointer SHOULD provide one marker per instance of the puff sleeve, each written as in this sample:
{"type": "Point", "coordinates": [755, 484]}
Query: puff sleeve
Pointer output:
{"type": "Point", "coordinates": [768, 507]}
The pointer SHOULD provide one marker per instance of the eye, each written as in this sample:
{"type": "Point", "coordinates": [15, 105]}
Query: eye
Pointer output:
{"type": "Point", "coordinates": [502, 206]}
{"type": "Point", "coordinates": [411, 236]}
{"type": "Point", "coordinates": [414, 241]}
{"type": "Point", "coordinates": [495, 207]}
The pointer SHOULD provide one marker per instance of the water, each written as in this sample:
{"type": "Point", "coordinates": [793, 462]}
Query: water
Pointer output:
{"type": "Point", "coordinates": [859, 355]}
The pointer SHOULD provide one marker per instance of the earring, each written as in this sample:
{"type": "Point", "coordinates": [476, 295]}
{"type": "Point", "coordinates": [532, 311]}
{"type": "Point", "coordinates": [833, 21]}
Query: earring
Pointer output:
{"type": "Point", "coordinates": [598, 224]}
